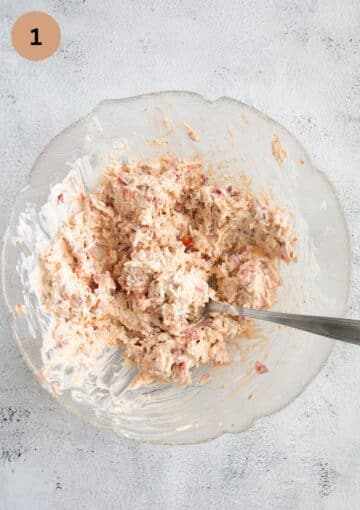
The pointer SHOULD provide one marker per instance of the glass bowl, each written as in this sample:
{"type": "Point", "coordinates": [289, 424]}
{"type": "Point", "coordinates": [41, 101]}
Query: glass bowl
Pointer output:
{"type": "Point", "coordinates": [233, 139]}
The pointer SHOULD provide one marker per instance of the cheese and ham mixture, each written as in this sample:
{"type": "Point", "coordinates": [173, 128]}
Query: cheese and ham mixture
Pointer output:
{"type": "Point", "coordinates": [132, 267]}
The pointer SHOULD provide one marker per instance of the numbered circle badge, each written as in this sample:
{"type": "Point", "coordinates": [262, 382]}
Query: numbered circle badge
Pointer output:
{"type": "Point", "coordinates": [36, 35]}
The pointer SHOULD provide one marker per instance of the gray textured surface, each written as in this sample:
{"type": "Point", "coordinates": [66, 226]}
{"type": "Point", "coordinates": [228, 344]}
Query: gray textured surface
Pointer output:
{"type": "Point", "coordinates": [299, 62]}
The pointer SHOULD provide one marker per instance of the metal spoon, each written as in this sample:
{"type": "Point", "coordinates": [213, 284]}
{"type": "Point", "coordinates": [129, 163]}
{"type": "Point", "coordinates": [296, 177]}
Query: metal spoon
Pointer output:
{"type": "Point", "coordinates": [346, 330]}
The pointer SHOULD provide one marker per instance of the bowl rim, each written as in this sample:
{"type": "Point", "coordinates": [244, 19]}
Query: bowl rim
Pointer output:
{"type": "Point", "coordinates": [197, 96]}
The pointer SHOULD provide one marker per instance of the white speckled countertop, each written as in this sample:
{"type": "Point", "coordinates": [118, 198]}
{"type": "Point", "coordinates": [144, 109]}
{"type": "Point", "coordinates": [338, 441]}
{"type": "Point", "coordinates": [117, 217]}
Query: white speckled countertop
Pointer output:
{"type": "Point", "coordinates": [299, 62]}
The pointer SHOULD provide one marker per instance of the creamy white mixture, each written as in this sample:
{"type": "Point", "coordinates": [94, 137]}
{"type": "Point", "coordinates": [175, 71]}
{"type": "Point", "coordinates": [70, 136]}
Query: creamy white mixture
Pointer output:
{"type": "Point", "coordinates": [131, 267]}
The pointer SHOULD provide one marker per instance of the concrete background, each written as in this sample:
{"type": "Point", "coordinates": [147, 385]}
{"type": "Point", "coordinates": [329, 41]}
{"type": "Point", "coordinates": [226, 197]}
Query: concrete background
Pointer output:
{"type": "Point", "coordinates": [298, 61]}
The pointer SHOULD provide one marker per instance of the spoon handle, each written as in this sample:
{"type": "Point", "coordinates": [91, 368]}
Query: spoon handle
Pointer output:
{"type": "Point", "coordinates": [346, 330]}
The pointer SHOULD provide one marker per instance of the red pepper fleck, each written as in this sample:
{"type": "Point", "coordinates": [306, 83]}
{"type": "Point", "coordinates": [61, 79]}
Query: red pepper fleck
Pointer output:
{"type": "Point", "coordinates": [229, 189]}
{"type": "Point", "coordinates": [20, 309]}
{"type": "Point", "coordinates": [186, 241]}
{"type": "Point", "coordinates": [60, 197]}
{"type": "Point", "coordinates": [261, 368]}
{"type": "Point", "coordinates": [218, 192]}
{"type": "Point", "coordinates": [178, 366]}
{"type": "Point", "coordinates": [128, 194]}
{"type": "Point", "coordinates": [93, 285]}
{"type": "Point", "coordinates": [122, 180]}
{"type": "Point", "coordinates": [191, 334]}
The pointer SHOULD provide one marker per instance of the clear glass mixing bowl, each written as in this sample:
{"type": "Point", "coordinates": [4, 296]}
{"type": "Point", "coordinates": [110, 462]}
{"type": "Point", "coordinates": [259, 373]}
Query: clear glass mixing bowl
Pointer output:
{"type": "Point", "coordinates": [233, 139]}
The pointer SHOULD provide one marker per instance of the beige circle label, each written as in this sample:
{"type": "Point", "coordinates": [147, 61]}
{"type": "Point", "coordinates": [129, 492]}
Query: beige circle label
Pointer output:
{"type": "Point", "coordinates": [36, 35]}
